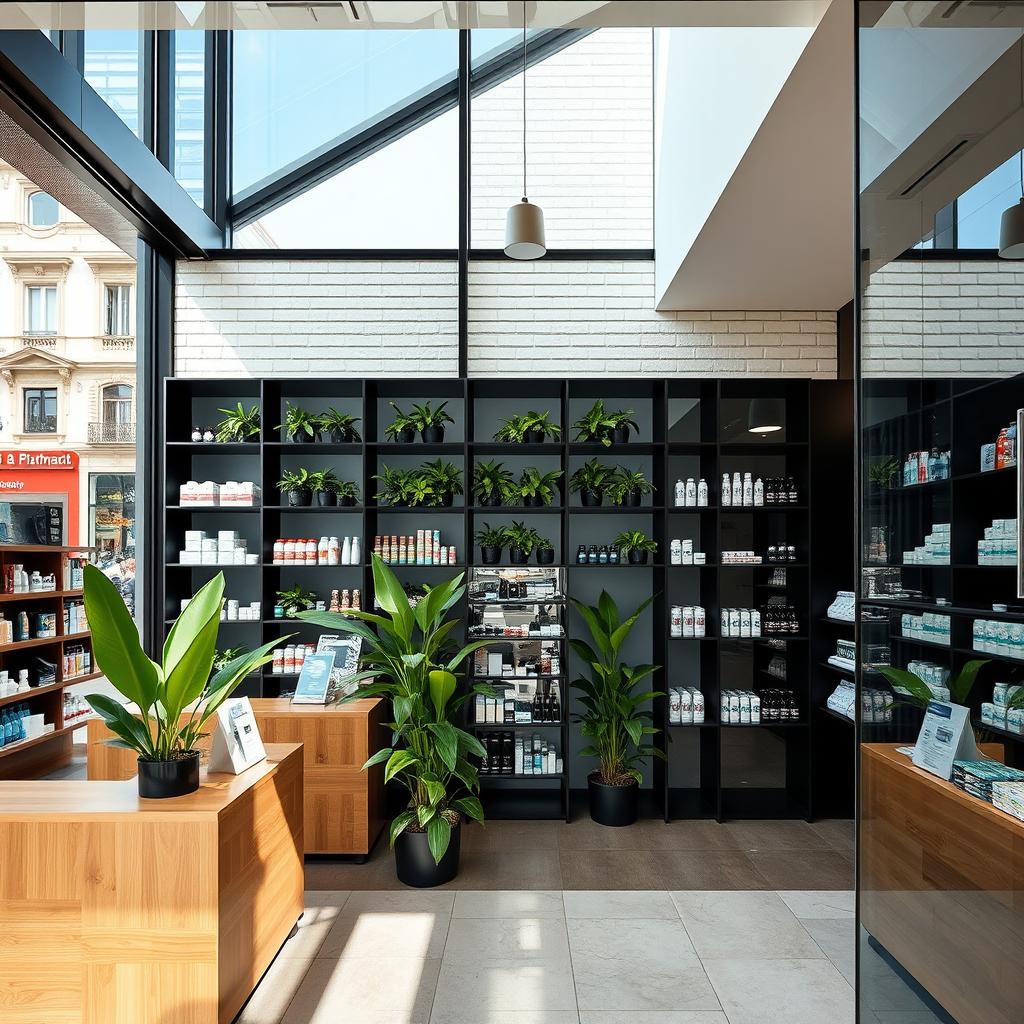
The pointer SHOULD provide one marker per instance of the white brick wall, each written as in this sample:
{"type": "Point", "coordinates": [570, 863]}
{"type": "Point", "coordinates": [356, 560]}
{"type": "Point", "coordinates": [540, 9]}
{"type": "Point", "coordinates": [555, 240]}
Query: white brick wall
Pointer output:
{"type": "Point", "coordinates": [944, 319]}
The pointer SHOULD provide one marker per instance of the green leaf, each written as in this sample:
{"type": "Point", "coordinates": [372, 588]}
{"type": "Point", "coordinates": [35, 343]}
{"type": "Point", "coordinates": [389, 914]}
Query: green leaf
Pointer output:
{"type": "Point", "coordinates": [424, 814]}
{"type": "Point", "coordinates": [120, 721]}
{"type": "Point", "coordinates": [466, 651]}
{"type": "Point", "coordinates": [634, 727]}
{"type": "Point", "coordinates": [399, 760]}
{"type": "Point", "coordinates": [442, 687]}
{"type": "Point", "coordinates": [470, 807]}
{"type": "Point", "coordinates": [379, 758]}
{"type": "Point", "coordinates": [622, 632]}
{"type": "Point", "coordinates": [469, 744]}
{"type": "Point", "coordinates": [961, 686]}
{"type": "Point", "coordinates": [187, 680]}
{"type": "Point", "coordinates": [435, 790]}
{"type": "Point", "coordinates": [447, 742]}
{"type": "Point", "coordinates": [196, 614]}
{"type": "Point", "coordinates": [399, 825]}
{"type": "Point", "coordinates": [609, 611]}
{"type": "Point", "coordinates": [390, 595]}
{"type": "Point", "coordinates": [907, 684]}
{"type": "Point", "coordinates": [601, 638]}
{"type": "Point", "coordinates": [439, 835]}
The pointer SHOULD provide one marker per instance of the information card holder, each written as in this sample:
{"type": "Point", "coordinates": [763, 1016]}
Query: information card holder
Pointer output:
{"type": "Point", "coordinates": [946, 736]}
{"type": "Point", "coordinates": [236, 744]}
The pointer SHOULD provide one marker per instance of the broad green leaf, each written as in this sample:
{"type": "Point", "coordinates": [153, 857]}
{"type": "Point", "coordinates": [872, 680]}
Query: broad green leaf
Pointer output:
{"type": "Point", "coordinates": [341, 623]}
{"type": "Point", "coordinates": [399, 760]}
{"type": "Point", "coordinates": [196, 614]}
{"type": "Point", "coordinates": [601, 638]}
{"type": "Point", "coordinates": [960, 687]}
{"type": "Point", "coordinates": [424, 813]}
{"type": "Point", "coordinates": [466, 651]}
{"type": "Point", "coordinates": [439, 835]}
{"type": "Point", "coordinates": [470, 807]}
{"type": "Point", "coordinates": [390, 595]}
{"type": "Point", "coordinates": [470, 744]}
{"type": "Point", "coordinates": [187, 680]}
{"type": "Point", "coordinates": [442, 687]}
{"type": "Point", "coordinates": [622, 632]}
{"type": "Point", "coordinates": [907, 684]}
{"type": "Point", "coordinates": [609, 611]}
{"type": "Point", "coordinates": [399, 825]}
{"type": "Point", "coordinates": [447, 742]}
{"type": "Point", "coordinates": [379, 758]}
{"type": "Point", "coordinates": [635, 729]}
{"type": "Point", "coordinates": [132, 730]}
{"type": "Point", "coordinates": [435, 790]}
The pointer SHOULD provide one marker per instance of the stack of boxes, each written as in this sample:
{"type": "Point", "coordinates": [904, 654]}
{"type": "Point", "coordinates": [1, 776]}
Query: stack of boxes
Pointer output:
{"type": "Point", "coordinates": [933, 628]}
{"type": "Point", "coordinates": [999, 546]}
{"type": "Point", "coordinates": [227, 548]}
{"type": "Point", "coordinates": [685, 705]}
{"type": "Point", "coordinates": [209, 493]}
{"type": "Point", "coordinates": [999, 637]}
{"type": "Point", "coordinates": [934, 551]}
{"type": "Point", "coordinates": [997, 712]}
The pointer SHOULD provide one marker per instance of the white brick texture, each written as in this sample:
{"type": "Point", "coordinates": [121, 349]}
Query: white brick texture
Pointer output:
{"type": "Point", "coordinates": [944, 319]}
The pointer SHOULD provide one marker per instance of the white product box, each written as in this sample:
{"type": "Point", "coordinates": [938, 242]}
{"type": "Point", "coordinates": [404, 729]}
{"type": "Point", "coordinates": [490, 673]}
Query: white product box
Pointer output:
{"type": "Point", "coordinates": [190, 557]}
{"type": "Point", "coordinates": [252, 559]}
{"type": "Point", "coordinates": [208, 493]}
{"type": "Point", "coordinates": [188, 493]}
{"type": "Point", "coordinates": [238, 556]}
{"type": "Point", "coordinates": [227, 535]}
{"type": "Point", "coordinates": [208, 558]}
{"type": "Point", "coordinates": [493, 664]}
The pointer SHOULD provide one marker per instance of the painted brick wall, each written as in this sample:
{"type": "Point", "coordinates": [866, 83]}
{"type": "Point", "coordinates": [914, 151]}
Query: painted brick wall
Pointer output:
{"type": "Point", "coordinates": [944, 319]}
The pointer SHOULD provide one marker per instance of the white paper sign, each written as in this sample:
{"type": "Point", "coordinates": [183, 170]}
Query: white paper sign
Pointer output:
{"type": "Point", "coordinates": [237, 744]}
{"type": "Point", "coordinates": [946, 736]}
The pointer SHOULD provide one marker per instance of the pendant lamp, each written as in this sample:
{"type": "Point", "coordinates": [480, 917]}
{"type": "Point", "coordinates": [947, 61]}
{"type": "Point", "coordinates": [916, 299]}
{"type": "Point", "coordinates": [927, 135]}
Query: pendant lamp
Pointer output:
{"type": "Point", "coordinates": [1011, 225]}
{"type": "Point", "coordinates": [524, 222]}
{"type": "Point", "coordinates": [766, 416]}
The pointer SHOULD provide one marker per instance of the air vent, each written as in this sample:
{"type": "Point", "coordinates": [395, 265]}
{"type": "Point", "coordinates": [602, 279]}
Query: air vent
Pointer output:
{"type": "Point", "coordinates": [952, 152]}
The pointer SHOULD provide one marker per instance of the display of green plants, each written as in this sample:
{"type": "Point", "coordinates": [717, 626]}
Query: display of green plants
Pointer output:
{"type": "Point", "coordinates": [434, 484]}
{"type": "Point", "coordinates": [521, 540]}
{"type": "Point", "coordinates": [299, 425]}
{"type": "Point", "coordinates": [295, 600]}
{"type": "Point", "coordinates": [340, 426]}
{"type": "Point", "coordinates": [492, 483]}
{"type": "Point", "coordinates": [297, 486]}
{"type": "Point", "coordinates": [398, 486]}
{"type": "Point", "coordinates": [239, 424]}
{"type": "Point", "coordinates": [536, 489]}
{"type": "Point", "coordinates": [627, 486]}
{"type": "Point", "coordinates": [635, 545]}
{"type": "Point", "coordinates": [347, 491]}
{"type": "Point", "coordinates": [408, 661]}
{"type": "Point", "coordinates": [531, 427]}
{"type": "Point", "coordinates": [597, 424]}
{"type": "Point", "coordinates": [402, 427]}
{"type": "Point", "coordinates": [491, 541]}
{"type": "Point", "coordinates": [429, 420]}
{"type": "Point", "coordinates": [882, 472]}
{"type": "Point", "coordinates": [910, 688]}
{"type": "Point", "coordinates": [589, 481]}
{"type": "Point", "coordinates": [322, 481]}
{"type": "Point", "coordinates": [545, 551]}
{"type": "Point", "coordinates": [443, 480]}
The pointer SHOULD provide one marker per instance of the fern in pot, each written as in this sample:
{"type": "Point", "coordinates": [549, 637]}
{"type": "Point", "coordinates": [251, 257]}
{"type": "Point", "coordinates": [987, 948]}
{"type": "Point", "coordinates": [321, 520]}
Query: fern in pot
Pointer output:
{"type": "Point", "coordinates": [322, 484]}
{"type": "Point", "coordinates": [296, 488]}
{"type": "Point", "coordinates": [240, 425]}
{"type": "Point", "coordinates": [545, 551]}
{"type": "Point", "coordinates": [589, 482]}
{"type": "Point", "coordinates": [636, 546]}
{"type": "Point", "coordinates": [340, 427]}
{"type": "Point", "coordinates": [402, 427]}
{"type": "Point", "coordinates": [491, 540]}
{"type": "Point", "coordinates": [346, 492]}
{"type": "Point", "coordinates": [492, 484]}
{"type": "Point", "coordinates": [300, 426]}
{"type": "Point", "coordinates": [407, 659]}
{"type": "Point", "coordinates": [627, 487]}
{"type": "Point", "coordinates": [173, 700]}
{"type": "Point", "coordinates": [522, 540]}
{"type": "Point", "coordinates": [536, 489]}
{"type": "Point", "coordinates": [430, 420]}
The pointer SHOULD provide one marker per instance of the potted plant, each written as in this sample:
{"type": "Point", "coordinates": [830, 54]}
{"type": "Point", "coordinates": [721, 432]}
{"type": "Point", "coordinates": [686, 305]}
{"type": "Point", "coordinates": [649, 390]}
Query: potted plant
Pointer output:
{"type": "Point", "coordinates": [545, 551]}
{"type": "Point", "coordinates": [295, 600]}
{"type": "Point", "coordinates": [595, 425]}
{"type": "Point", "coordinates": [627, 487]}
{"type": "Point", "coordinates": [912, 689]}
{"type": "Point", "coordinates": [613, 719]}
{"type": "Point", "coordinates": [621, 422]}
{"type": "Point", "coordinates": [339, 426]}
{"type": "Point", "coordinates": [636, 546]}
{"type": "Point", "coordinates": [882, 472]}
{"type": "Point", "coordinates": [239, 424]}
{"type": "Point", "coordinates": [296, 488]}
{"type": "Point", "coordinates": [299, 425]}
{"type": "Point", "coordinates": [429, 754]}
{"type": "Point", "coordinates": [430, 421]}
{"type": "Point", "coordinates": [589, 481]}
{"type": "Point", "coordinates": [521, 540]}
{"type": "Point", "coordinates": [346, 491]}
{"type": "Point", "coordinates": [402, 428]}
{"type": "Point", "coordinates": [492, 484]}
{"type": "Point", "coordinates": [491, 541]}
{"type": "Point", "coordinates": [322, 484]}
{"type": "Point", "coordinates": [529, 428]}
{"type": "Point", "coordinates": [536, 489]}
{"type": "Point", "coordinates": [394, 486]}
{"type": "Point", "coordinates": [164, 740]}
{"type": "Point", "coordinates": [443, 481]}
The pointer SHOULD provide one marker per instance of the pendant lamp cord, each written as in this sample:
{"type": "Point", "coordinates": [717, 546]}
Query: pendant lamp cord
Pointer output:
{"type": "Point", "coordinates": [524, 102]}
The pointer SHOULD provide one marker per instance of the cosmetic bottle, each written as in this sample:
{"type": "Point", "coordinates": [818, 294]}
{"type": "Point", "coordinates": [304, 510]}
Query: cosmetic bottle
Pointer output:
{"type": "Point", "coordinates": [702, 493]}
{"type": "Point", "coordinates": [323, 550]}
{"type": "Point", "coordinates": [680, 494]}
{"type": "Point", "coordinates": [758, 492]}
{"type": "Point", "coordinates": [333, 551]}
{"type": "Point", "coordinates": [726, 491]}
{"type": "Point", "coordinates": [357, 555]}
{"type": "Point", "coordinates": [602, 555]}
{"type": "Point", "coordinates": [592, 555]}
{"type": "Point", "coordinates": [197, 434]}
{"type": "Point", "coordinates": [748, 490]}
{"type": "Point", "coordinates": [613, 555]}
{"type": "Point", "coordinates": [335, 602]}
{"type": "Point", "coordinates": [737, 490]}
{"type": "Point", "coordinates": [691, 493]}
{"type": "Point", "coordinates": [346, 551]}
{"type": "Point", "coordinates": [581, 555]}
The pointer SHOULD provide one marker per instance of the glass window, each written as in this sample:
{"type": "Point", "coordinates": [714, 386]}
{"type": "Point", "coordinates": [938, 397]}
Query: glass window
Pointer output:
{"type": "Point", "coordinates": [41, 309]}
{"type": "Point", "coordinates": [979, 209]}
{"type": "Point", "coordinates": [189, 111]}
{"type": "Point", "coordinates": [43, 210]}
{"type": "Point", "coordinates": [117, 320]}
{"type": "Point", "coordinates": [112, 68]}
{"type": "Point", "coordinates": [117, 405]}
{"type": "Point", "coordinates": [40, 410]}
{"type": "Point", "coordinates": [112, 527]}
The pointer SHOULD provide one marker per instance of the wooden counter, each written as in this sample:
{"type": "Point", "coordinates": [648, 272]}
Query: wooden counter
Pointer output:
{"type": "Point", "coordinates": [942, 886]}
{"type": "Point", "coordinates": [344, 806]}
{"type": "Point", "coordinates": [118, 910]}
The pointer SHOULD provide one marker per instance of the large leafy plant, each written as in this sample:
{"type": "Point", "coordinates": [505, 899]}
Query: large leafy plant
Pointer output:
{"type": "Point", "coordinates": [239, 424]}
{"type": "Point", "coordinates": [613, 717]}
{"type": "Point", "coordinates": [163, 692]}
{"type": "Point", "coordinates": [409, 657]}
{"type": "Point", "coordinates": [912, 689]}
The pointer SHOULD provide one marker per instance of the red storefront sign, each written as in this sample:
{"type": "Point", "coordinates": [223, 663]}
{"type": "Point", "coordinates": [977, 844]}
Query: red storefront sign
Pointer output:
{"type": "Point", "coordinates": [25, 472]}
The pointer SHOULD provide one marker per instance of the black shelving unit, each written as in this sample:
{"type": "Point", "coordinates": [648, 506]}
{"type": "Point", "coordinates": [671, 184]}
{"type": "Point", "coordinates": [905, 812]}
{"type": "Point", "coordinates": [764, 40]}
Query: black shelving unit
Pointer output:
{"type": "Point", "coordinates": [688, 428]}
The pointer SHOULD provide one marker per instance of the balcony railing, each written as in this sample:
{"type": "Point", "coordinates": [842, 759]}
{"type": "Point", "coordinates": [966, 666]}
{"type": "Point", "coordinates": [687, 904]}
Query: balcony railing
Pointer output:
{"type": "Point", "coordinates": [117, 342]}
{"type": "Point", "coordinates": [111, 433]}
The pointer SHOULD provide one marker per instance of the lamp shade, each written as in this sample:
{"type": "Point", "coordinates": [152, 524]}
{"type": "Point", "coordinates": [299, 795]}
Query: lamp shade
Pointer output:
{"type": "Point", "coordinates": [1011, 233]}
{"type": "Point", "coordinates": [766, 415]}
{"type": "Point", "coordinates": [524, 232]}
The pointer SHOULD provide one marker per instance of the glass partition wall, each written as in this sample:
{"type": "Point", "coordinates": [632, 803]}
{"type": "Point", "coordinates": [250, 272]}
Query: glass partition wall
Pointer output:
{"type": "Point", "coordinates": [941, 341]}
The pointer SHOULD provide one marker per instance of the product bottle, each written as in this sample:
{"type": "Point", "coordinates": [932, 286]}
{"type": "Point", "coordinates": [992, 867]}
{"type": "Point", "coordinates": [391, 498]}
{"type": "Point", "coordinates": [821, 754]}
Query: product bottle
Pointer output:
{"type": "Point", "coordinates": [602, 555]}
{"type": "Point", "coordinates": [357, 601]}
{"type": "Point", "coordinates": [758, 492]}
{"type": "Point", "coordinates": [613, 555]}
{"type": "Point", "coordinates": [737, 490]}
{"type": "Point", "coordinates": [702, 493]}
{"type": "Point", "coordinates": [726, 491]}
{"type": "Point", "coordinates": [793, 496]}
{"type": "Point", "coordinates": [357, 555]}
{"type": "Point", "coordinates": [748, 490]}
{"type": "Point", "coordinates": [346, 552]}
{"type": "Point", "coordinates": [680, 494]}
{"type": "Point", "coordinates": [592, 555]}
{"type": "Point", "coordinates": [581, 555]}
{"type": "Point", "coordinates": [691, 493]}
{"type": "Point", "coordinates": [555, 707]}
{"type": "Point", "coordinates": [323, 550]}
{"type": "Point", "coordinates": [197, 434]}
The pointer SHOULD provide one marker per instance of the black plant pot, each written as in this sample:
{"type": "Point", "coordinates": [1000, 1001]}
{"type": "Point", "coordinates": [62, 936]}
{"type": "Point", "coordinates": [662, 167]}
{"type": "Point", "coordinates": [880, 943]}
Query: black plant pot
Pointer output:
{"type": "Point", "coordinates": [300, 498]}
{"type": "Point", "coordinates": [631, 499]}
{"type": "Point", "coordinates": [490, 556]}
{"type": "Point", "coordinates": [517, 556]}
{"type": "Point", "coordinates": [414, 863]}
{"type": "Point", "coordinates": [591, 499]}
{"type": "Point", "coordinates": [406, 436]}
{"type": "Point", "coordinates": [348, 501]}
{"type": "Point", "coordinates": [494, 501]}
{"type": "Point", "coordinates": [545, 556]}
{"type": "Point", "coordinates": [340, 436]}
{"type": "Point", "coordinates": [535, 502]}
{"type": "Point", "coordinates": [612, 805]}
{"type": "Point", "coordinates": [447, 500]}
{"type": "Point", "coordinates": [325, 499]}
{"type": "Point", "coordinates": [304, 438]}
{"type": "Point", "coordinates": [432, 435]}
{"type": "Point", "coordinates": [637, 558]}
{"type": "Point", "coordinates": [161, 779]}
{"type": "Point", "coordinates": [534, 437]}
{"type": "Point", "coordinates": [620, 435]}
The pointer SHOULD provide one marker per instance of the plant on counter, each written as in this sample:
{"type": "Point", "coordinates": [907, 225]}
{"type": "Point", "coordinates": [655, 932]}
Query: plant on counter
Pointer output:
{"type": "Point", "coordinates": [443, 481]}
{"type": "Point", "coordinates": [239, 424]}
{"type": "Point", "coordinates": [296, 487]}
{"type": "Point", "coordinates": [491, 541]}
{"type": "Point", "coordinates": [402, 427]}
{"type": "Point", "coordinates": [545, 551]}
{"type": "Point", "coordinates": [492, 484]}
{"type": "Point", "coordinates": [536, 489]}
{"type": "Point", "coordinates": [589, 482]}
{"type": "Point", "coordinates": [295, 600]}
{"type": "Point", "coordinates": [430, 420]}
{"type": "Point", "coordinates": [597, 424]}
{"type": "Point", "coordinates": [322, 483]}
{"type": "Point", "coordinates": [882, 472]}
{"type": "Point", "coordinates": [613, 716]}
{"type": "Point", "coordinates": [521, 540]}
{"type": "Point", "coordinates": [164, 737]}
{"type": "Point", "coordinates": [429, 754]}
{"type": "Point", "coordinates": [346, 491]}
{"type": "Point", "coordinates": [627, 487]}
{"type": "Point", "coordinates": [339, 426]}
{"type": "Point", "coordinates": [636, 546]}
{"type": "Point", "coordinates": [299, 425]}
{"type": "Point", "coordinates": [529, 428]}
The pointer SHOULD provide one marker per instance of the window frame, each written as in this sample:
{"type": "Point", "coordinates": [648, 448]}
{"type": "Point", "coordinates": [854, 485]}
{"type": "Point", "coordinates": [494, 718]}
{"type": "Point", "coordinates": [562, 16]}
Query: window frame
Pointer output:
{"type": "Point", "coordinates": [27, 329]}
{"type": "Point", "coordinates": [122, 401]}
{"type": "Point", "coordinates": [40, 396]}
{"type": "Point", "coordinates": [29, 196]}
{"type": "Point", "coordinates": [121, 307]}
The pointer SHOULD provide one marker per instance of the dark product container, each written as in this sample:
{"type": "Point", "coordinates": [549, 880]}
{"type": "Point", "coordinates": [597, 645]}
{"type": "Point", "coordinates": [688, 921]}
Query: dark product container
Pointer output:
{"type": "Point", "coordinates": [613, 805]}
{"type": "Point", "coordinates": [300, 498]}
{"type": "Point", "coordinates": [637, 557]}
{"type": "Point", "coordinates": [620, 435]}
{"type": "Point", "coordinates": [414, 863]}
{"type": "Point", "coordinates": [161, 779]}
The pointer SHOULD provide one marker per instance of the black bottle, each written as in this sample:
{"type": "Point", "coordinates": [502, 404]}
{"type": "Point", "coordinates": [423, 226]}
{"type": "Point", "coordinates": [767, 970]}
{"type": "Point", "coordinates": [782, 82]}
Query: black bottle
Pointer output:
{"type": "Point", "coordinates": [581, 555]}
{"type": "Point", "coordinates": [792, 493]}
{"type": "Point", "coordinates": [592, 555]}
{"type": "Point", "coordinates": [537, 708]}
{"type": "Point", "coordinates": [555, 708]}
{"type": "Point", "coordinates": [613, 555]}
{"type": "Point", "coordinates": [602, 555]}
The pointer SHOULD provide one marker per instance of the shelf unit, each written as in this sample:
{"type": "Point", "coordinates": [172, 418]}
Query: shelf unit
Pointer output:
{"type": "Point", "coordinates": [43, 754]}
{"type": "Point", "coordinates": [686, 428]}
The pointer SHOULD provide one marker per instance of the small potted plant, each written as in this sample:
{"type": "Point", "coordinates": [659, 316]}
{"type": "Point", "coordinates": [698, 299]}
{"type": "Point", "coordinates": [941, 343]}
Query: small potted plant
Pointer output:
{"type": "Point", "coordinates": [492, 484]}
{"type": "Point", "coordinates": [159, 731]}
{"type": "Point", "coordinates": [536, 489]}
{"type": "Point", "coordinates": [346, 492]}
{"type": "Point", "coordinates": [443, 480]}
{"type": "Point", "coordinates": [395, 486]}
{"type": "Point", "coordinates": [521, 540]}
{"type": "Point", "coordinates": [340, 427]}
{"type": "Point", "coordinates": [300, 426]}
{"type": "Point", "coordinates": [589, 482]}
{"type": "Point", "coordinates": [545, 551]}
{"type": "Point", "coordinates": [636, 546]}
{"type": "Point", "coordinates": [529, 428]}
{"type": "Point", "coordinates": [595, 425]}
{"type": "Point", "coordinates": [627, 487]}
{"type": "Point", "coordinates": [621, 422]}
{"type": "Point", "coordinates": [430, 421]}
{"type": "Point", "coordinates": [322, 484]}
{"type": "Point", "coordinates": [295, 600]}
{"type": "Point", "coordinates": [491, 541]}
{"type": "Point", "coordinates": [240, 425]}
{"type": "Point", "coordinates": [296, 488]}
{"type": "Point", "coordinates": [402, 428]}
{"type": "Point", "coordinates": [882, 472]}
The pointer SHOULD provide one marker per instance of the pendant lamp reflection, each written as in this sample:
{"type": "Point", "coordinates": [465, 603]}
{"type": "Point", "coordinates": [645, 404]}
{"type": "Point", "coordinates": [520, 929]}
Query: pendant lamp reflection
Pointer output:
{"type": "Point", "coordinates": [1011, 226]}
{"type": "Point", "coordinates": [524, 222]}
{"type": "Point", "coordinates": [766, 416]}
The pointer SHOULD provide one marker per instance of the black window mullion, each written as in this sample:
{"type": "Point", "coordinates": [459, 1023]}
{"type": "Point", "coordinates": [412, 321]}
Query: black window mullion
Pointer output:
{"type": "Point", "coordinates": [217, 128]}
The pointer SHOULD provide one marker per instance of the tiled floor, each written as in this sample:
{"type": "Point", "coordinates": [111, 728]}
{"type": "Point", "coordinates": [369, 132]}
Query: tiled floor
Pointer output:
{"type": "Point", "coordinates": [574, 957]}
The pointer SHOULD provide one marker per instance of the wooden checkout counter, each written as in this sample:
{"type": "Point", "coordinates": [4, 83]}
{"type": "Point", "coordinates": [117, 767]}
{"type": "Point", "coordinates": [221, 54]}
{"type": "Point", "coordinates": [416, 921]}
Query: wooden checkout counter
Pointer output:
{"type": "Point", "coordinates": [118, 910]}
{"type": "Point", "coordinates": [344, 806]}
{"type": "Point", "coordinates": [942, 886]}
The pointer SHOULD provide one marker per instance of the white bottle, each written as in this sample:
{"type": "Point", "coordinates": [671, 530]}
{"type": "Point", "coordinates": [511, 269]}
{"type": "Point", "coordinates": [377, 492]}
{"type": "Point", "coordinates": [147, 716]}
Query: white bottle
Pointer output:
{"type": "Point", "coordinates": [356, 554]}
{"type": "Point", "coordinates": [680, 493]}
{"type": "Point", "coordinates": [726, 491]}
{"type": "Point", "coordinates": [691, 493]}
{"type": "Point", "coordinates": [748, 490]}
{"type": "Point", "coordinates": [346, 551]}
{"type": "Point", "coordinates": [755, 622]}
{"type": "Point", "coordinates": [702, 493]}
{"type": "Point", "coordinates": [758, 491]}
{"type": "Point", "coordinates": [699, 621]}
{"type": "Point", "coordinates": [676, 552]}
{"type": "Point", "coordinates": [737, 490]}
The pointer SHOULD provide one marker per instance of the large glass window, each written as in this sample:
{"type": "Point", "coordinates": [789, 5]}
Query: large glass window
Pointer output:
{"type": "Point", "coordinates": [112, 68]}
{"type": "Point", "coordinates": [189, 111]}
{"type": "Point", "coordinates": [117, 320]}
{"type": "Point", "coordinates": [43, 210]}
{"type": "Point", "coordinates": [980, 208]}
{"type": "Point", "coordinates": [40, 410]}
{"type": "Point", "coordinates": [41, 309]}
{"type": "Point", "coordinates": [117, 405]}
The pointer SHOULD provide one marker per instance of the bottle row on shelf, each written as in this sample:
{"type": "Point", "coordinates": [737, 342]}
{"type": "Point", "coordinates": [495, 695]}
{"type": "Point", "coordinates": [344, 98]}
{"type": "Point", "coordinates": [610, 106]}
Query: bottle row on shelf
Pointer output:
{"type": "Point", "coordinates": [875, 705]}
{"type": "Point", "coordinates": [745, 707]}
{"type": "Point", "coordinates": [310, 551]}
{"type": "Point", "coordinates": [508, 754]}
{"type": "Point", "coordinates": [685, 705]}
{"type": "Point", "coordinates": [517, 664]}
{"type": "Point", "coordinates": [1004, 710]}
{"type": "Point", "coordinates": [997, 636]}
{"type": "Point", "coordinates": [747, 492]}
{"type": "Point", "coordinates": [422, 548]}
{"type": "Point", "coordinates": [515, 707]}
{"type": "Point", "coordinates": [681, 553]}
{"type": "Point", "coordinates": [17, 723]}
{"type": "Point", "coordinates": [18, 580]}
